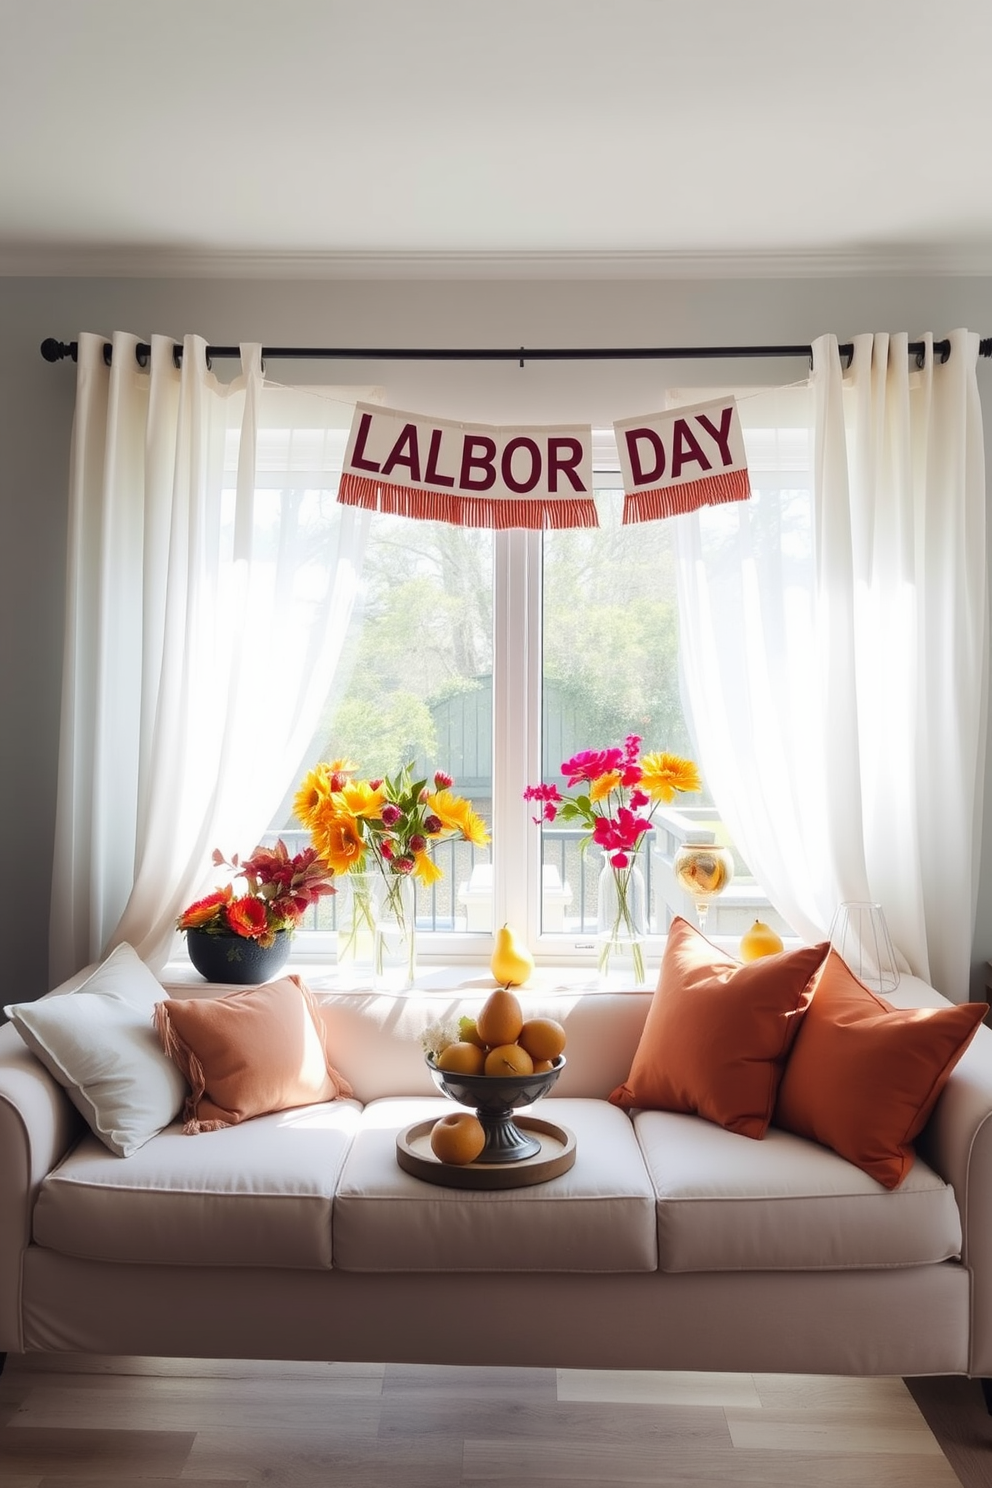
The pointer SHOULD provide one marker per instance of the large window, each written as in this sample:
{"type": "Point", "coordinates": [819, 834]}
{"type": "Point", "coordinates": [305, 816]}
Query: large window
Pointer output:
{"type": "Point", "coordinates": [495, 656]}
{"type": "Point", "coordinates": [415, 686]}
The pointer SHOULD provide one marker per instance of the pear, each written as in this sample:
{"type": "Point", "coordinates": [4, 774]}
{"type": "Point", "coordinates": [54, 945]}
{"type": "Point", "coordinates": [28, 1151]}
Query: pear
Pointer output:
{"type": "Point", "coordinates": [511, 963]}
{"type": "Point", "coordinates": [760, 940]}
{"type": "Point", "coordinates": [500, 1019]}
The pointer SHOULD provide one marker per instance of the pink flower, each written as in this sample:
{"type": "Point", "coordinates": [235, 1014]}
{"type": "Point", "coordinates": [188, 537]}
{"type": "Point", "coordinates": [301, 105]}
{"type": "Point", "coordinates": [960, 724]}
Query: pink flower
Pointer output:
{"type": "Point", "coordinates": [433, 825]}
{"type": "Point", "coordinates": [542, 793]}
{"type": "Point", "coordinates": [418, 843]}
{"type": "Point", "coordinates": [550, 795]}
{"type": "Point", "coordinates": [390, 814]}
{"type": "Point", "coordinates": [631, 771]}
{"type": "Point", "coordinates": [619, 837]}
{"type": "Point", "coordinates": [443, 780]}
{"type": "Point", "coordinates": [589, 764]}
{"type": "Point", "coordinates": [404, 865]}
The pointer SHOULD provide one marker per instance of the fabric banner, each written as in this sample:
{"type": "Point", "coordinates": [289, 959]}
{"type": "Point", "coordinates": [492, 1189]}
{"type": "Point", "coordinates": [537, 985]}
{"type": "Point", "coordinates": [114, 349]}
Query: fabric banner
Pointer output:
{"type": "Point", "coordinates": [471, 475]}
{"type": "Point", "coordinates": [682, 459]}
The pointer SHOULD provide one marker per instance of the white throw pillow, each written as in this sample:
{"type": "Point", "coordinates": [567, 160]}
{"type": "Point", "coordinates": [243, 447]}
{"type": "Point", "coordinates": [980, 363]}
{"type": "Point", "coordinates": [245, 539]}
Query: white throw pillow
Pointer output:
{"type": "Point", "coordinates": [99, 1043]}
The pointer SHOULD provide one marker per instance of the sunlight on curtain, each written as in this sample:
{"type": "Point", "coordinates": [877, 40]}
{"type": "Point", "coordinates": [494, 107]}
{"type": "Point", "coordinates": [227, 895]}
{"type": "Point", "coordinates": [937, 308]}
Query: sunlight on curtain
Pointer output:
{"type": "Point", "coordinates": [833, 644]}
{"type": "Point", "coordinates": [745, 575]}
{"type": "Point", "coordinates": [210, 579]}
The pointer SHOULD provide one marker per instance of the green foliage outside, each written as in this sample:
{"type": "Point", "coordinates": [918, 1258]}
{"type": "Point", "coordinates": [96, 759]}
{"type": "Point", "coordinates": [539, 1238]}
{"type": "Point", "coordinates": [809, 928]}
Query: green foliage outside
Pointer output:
{"type": "Point", "coordinates": [610, 637]}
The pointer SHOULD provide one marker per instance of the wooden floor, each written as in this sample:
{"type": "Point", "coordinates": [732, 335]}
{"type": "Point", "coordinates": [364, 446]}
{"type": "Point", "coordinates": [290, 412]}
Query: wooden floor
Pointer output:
{"type": "Point", "coordinates": [148, 1423]}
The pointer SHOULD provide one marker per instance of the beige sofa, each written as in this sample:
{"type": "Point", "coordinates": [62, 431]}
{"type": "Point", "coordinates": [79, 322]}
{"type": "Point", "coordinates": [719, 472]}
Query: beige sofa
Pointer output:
{"type": "Point", "coordinates": [671, 1243]}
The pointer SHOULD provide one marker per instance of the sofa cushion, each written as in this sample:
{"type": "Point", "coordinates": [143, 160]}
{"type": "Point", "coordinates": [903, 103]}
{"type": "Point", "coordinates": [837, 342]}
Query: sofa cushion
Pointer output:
{"type": "Point", "coordinates": [599, 1216]}
{"type": "Point", "coordinates": [256, 1050]}
{"type": "Point", "coordinates": [376, 1036]}
{"type": "Point", "coordinates": [717, 1032]}
{"type": "Point", "coordinates": [864, 1076]}
{"type": "Point", "coordinates": [258, 1194]}
{"type": "Point", "coordinates": [99, 1043]}
{"type": "Point", "coordinates": [784, 1204]}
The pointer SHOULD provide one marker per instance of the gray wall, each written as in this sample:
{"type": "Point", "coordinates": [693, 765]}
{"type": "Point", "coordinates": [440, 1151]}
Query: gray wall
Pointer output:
{"type": "Point", "coordinates": [36, 413]}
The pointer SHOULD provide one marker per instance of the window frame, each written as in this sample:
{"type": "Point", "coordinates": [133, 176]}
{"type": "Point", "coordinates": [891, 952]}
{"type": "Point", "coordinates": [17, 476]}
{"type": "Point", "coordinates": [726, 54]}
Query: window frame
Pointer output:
{"type": "Point", "coordinates": [517, 755]}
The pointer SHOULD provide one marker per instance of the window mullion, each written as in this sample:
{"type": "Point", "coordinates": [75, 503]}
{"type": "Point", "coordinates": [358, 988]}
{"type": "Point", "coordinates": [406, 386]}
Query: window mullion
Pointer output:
{"type": "Point", "coordinates": [517, 556]}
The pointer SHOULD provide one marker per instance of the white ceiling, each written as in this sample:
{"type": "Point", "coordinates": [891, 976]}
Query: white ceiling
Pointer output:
{"type": "Point", "coordinates": [459, 138]}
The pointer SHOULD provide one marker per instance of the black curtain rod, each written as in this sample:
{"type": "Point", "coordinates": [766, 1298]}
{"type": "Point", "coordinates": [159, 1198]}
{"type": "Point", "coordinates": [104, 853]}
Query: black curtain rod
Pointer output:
{"type": "Point", "coordinates": [57, 351]}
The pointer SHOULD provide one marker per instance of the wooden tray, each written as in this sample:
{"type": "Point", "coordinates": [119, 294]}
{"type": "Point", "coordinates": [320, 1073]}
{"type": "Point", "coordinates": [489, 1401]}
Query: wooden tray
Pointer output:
{"type": "Point", "coordinates": [557, 1154]}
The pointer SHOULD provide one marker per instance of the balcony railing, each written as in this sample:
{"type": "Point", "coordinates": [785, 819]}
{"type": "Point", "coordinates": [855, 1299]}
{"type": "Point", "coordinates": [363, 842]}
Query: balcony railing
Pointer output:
{"type": "Point", "coordinates": [462, 898]}
{"type": "Point", "coordinates": [437, 906]}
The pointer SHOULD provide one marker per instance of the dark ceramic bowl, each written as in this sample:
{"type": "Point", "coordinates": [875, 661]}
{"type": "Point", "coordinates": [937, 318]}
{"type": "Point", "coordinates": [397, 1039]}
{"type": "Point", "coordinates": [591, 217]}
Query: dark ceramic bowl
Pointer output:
{"type": "Point", "coordinates": [232, 958]}
{"type": "Point", "coordinates": [495, 1098]}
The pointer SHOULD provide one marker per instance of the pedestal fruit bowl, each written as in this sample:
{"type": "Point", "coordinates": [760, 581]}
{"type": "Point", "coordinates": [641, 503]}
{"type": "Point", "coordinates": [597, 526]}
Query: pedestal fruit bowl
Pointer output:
{"type": "Point", "coordinates": [494, 1099]}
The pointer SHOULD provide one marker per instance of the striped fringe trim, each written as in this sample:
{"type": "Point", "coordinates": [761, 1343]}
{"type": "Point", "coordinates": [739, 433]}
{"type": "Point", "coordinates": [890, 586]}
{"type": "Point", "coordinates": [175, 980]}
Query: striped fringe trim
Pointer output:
{"type": "Point", "coordinates": [500, 512]}
{"type": "Point", "coordinates": [674, 501]}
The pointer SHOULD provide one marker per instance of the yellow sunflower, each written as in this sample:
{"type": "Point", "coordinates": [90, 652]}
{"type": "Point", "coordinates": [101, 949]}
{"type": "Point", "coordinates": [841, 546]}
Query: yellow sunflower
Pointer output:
{"type": "Point", "coordinates": [312, 794]}
{"type": "Point", "coordinates": [456, 815]}
{"type": "Point", "coordinates": [339, 843]}
{"type": "Point", "coordinates": [357, 798]}
{"type": "Point", "coordinates": [664, 774]}
{"type": "Point", "coordinates": [425, 869]}
{"type": "Point", "coordinates": [603, 784]}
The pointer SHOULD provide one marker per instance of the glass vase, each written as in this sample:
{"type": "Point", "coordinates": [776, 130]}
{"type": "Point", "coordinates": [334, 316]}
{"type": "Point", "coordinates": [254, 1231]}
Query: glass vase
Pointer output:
{"type": "Point", "coordinates": [860, 937]}
{"type": "Point", "coordinates": [356, 921]}
{"type": "Point", "coordinates": [394, 952]}
{"type": "Point", "coordinates": [622, 926]}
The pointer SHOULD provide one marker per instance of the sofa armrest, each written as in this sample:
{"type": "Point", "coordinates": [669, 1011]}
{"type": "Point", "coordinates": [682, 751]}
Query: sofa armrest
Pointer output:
{"type": "Point", "coordinates": [38, 1123]}
{"type": "Point", "coordinates": [957, 1143]}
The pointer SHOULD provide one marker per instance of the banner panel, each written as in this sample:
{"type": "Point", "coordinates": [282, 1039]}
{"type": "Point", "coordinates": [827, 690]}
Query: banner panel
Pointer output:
{"type": "Point", "coordinates": [472, 475]}
{"type": "Point", "coordinates": [682, 459]}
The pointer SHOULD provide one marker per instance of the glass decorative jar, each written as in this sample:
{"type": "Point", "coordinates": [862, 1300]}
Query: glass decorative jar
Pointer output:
{"type": "Point", "coordinates": [622, 925]}
{"type": "Point", "coordinates": [394, 950]}
{"type": "Point", "coordinates": [703, 870]}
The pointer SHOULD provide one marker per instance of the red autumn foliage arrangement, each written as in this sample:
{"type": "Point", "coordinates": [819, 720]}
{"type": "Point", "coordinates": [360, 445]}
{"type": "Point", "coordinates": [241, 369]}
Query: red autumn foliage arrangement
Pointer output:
{"type": "Point", "coordinates": [277, 891]}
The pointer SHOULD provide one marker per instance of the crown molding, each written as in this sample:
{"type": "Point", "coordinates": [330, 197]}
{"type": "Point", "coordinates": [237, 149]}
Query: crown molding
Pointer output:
{"type": "Point", "coordinates": [155, 263]}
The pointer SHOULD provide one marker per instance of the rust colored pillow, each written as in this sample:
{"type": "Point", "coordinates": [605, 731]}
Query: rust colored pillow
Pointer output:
{"type": "Point", "coordinates": [718, 1032]}
{"type": "Point", "coordinates": [257, 1050]}
{"type": "Point", "coordinates": [864, 1076]}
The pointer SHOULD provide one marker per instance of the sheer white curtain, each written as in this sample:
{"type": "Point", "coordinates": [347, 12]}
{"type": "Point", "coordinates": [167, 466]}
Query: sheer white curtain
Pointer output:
{"type": "Point", "coordinates": [210, 579]}
{"type": "Point", "coordinates": [834, 646]}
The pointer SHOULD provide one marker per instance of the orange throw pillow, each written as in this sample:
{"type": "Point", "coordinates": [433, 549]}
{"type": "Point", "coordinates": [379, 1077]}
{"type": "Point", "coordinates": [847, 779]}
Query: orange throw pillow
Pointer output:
{"type": "Point", "coordinates": [261, 1049]}
{"type": "Point", "coordinates": [717, 1032]}
{"type": "Point", "coordinates": [864, 1076]}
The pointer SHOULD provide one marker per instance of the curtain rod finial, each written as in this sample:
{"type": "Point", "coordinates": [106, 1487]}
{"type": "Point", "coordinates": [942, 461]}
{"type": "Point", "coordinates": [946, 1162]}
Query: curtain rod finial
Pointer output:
{"type": "Point", "coordinates": [57, 351]}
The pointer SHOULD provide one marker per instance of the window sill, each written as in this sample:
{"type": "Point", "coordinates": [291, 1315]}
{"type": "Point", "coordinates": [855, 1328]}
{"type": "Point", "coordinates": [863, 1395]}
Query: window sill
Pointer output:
{"type": "Point", "coordinates": [322, 974]}
{"type": "Point", "coordinates": [325, 976]}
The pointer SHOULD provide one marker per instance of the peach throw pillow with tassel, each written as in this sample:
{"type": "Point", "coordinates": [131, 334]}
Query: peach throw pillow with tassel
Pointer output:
{"type": "Point", "coordinates": [256, 1050]}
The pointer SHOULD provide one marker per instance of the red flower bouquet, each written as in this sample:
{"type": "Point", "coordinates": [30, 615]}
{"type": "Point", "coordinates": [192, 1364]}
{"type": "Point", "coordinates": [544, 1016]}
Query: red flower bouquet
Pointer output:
{"type": "Point", "coordinates": [277, 892]}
